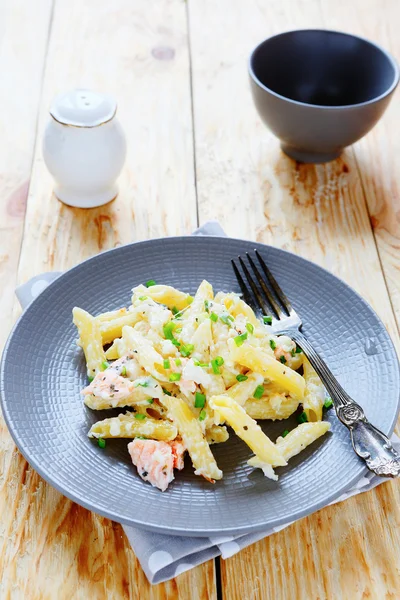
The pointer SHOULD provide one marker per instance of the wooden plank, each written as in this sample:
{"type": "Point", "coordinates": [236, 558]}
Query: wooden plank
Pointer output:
{"type": "Point", "coordinates": [137, 50]}
{"type": "Point", "coordinates": [23, 42]}
{"type": "Point", "coordinates": [146, 69]}
{"type": "Point", "coordinates": [378, 154]}
{"type": "Point", "coordinates": [347, 551]}
{"type": "Point", "coordinates": [24, 31]}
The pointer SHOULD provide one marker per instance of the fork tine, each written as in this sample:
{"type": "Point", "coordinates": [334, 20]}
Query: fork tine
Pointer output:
{"type": "Point", "coordinates": [258, 296]}
{"type": "Point", "coordinates": [265, 289]}
{"type": "Point", "coordinates": [243, 287]}
{"type": "Point", "coordinates": [277, 289]}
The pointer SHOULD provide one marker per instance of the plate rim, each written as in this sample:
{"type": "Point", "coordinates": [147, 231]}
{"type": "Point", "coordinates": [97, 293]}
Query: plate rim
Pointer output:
{"type": "Point", "coordinates": [165, 529]}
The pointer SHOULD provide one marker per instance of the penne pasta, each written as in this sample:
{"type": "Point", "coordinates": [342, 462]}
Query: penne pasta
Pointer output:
{"type": "Point", "coordinates": [275, 407]}
{"type": "Point", "coordinates": [219, 348]}
{"type": "Point", "coordinates": [301, 437]}
{"type": "Point", "coordinates": [217, 434]}
{"type": "Point", "coordinates": [110, 315]}
{"type": "Point", "coordinates": [203, 295]}
{"type": "Point", "coordinates": [314, 394]}
{"type": "Point", "coordinates": [110, 330]}
{"type": "Point", "coordinates": [113, 352]}
{"type": "Point", "coordinates": [164, 294]}
{"type": "Point", "coordinates": [247, 429]}
{"type": "Point", "coordinates": [98, 403]}
{"type": "Point", "coordinates": [236, 307]}
{"type": "Point", "coordinates": [192, 435]}
{"type": "Point", "coordinates": [128, 426]}
{"type": "Point", "coordinates": [258, 361]}
{"type": "Point", "coordinates": [90, 340]}
{"type": "Point", "coordinates": [242, 391]}
{"type": "Point", "coordinates": [202, 340]}
{"type": "Point", "coordinates": [146, 355]}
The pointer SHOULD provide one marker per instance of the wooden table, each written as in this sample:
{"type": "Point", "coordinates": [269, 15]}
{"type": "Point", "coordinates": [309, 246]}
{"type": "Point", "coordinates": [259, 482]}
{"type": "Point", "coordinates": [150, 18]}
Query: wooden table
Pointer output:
{"type": "Point", "coordinates": [197, 150]}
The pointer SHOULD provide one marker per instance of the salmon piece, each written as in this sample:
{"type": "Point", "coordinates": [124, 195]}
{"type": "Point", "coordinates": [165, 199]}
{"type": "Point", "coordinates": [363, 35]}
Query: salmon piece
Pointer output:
{"type": "Point", "coordinates": [178, 453]}
{"type": "Point", "coordinates": [154, 461]}
{"type": "Point", "coordinates": [279, 351]}
{"type": "Point", "coordinates": [110, 384]}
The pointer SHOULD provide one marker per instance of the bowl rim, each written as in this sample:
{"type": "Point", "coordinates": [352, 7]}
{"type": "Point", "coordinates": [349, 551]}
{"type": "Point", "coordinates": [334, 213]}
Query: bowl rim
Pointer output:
{"type": "Point", "coordinates": [387, 55]}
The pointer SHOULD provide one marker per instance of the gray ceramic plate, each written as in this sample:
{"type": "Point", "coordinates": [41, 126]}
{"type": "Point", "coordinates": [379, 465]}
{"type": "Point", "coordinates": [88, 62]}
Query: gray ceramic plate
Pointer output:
{"type": "Point", "coordinates": [43, 372]}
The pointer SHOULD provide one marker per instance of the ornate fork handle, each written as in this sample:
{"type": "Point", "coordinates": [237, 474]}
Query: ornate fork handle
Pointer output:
{"type": "Point", "coordinates": [369, 443]}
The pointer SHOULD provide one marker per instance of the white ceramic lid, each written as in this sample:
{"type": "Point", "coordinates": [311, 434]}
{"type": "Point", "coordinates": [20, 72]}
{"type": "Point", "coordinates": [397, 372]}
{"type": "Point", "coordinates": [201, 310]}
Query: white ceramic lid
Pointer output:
{"type": "Point", "coordinates": [83, 108]}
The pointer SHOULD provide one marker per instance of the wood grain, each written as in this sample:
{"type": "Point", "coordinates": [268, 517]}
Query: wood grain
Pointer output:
{"type": "Point", "coordinates": [23, 43]}
{"type": "Point", "coordinates": [147, 70]}
{"type": "Point", "coordinates": [378, 154]}
{"type": "Point", "coordinates": [347, 551]}
{"type": "Point", "coordinates": [137, 50]}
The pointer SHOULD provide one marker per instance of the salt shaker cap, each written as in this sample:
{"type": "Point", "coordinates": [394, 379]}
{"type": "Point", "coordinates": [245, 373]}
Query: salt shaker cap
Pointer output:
{"type": "Point", "coordinates": [83, 108]}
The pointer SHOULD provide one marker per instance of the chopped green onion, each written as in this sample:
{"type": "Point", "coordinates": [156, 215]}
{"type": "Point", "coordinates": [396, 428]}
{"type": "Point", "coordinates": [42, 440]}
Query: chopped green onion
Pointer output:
{"type": "Point", "coordinates": [267, 320]}
{"type": "Point", "coordinates": [144, 384]}
{"type": "Point", "coordinates": [328, 403]}
{"type": "Point", "coordinates": [298, 349]}
{"type": "Point", "coordinates": [272, 343]}
{"type": "Point", "coordinates": [199, 400]}
{"type": "Point", "coordinates": [175, 311]}
{"type": "Point", "coordinates": [101, 442]}
{"type": "Point", "coordinates": [293, 352]}
{"type": "Point", "coordinates": [241, 377]}
{"type": "Point", "coordinates": [167, 364]}
{"type": "Point", "coordinates": [201, 364]}
{"type": "Point", "coordinates": [250, 328]}
{"type": "Point", "coordinates": [142, 298]}
{"type": "Point", "coordinates": [140, 417]}
{"type": "Point", "coordinates": [284, 434]}
{"type": "Point", "coordinates": [258, 392]}
{"type": "Point", "coordinates": [227, 319]}
{"type": "Point", "coordinates": [150, 400]}
{"type": "Point", "coordinates": [168, 330]}
{"type": "Point", "coordinates": [175, 377]}
{"type": "Point", "coordinates": [104, 365]}
{"type": "Point", "coordinates": [178, 362]}
{"type": "Point", "coordinates": [166, 392]}
{"type": "Point", "coordinates": [215, 367]}
{"type": "Point", "coordinates": [283, 359]}
{"type": "Point", "coordinates": [302, 418]}
{"type": "Point", "coordinates": [216, 363]}
{"type": "Point", "coordinates": [202, 415]}
{"type": "Point", "coordinates": [123, 371]}
{"type": "Point", "coordinates": [140, 437]}
{"type": "Point", "coordinates": [150, 283]}
{"type": "Point", "coordinates": [186, 350]}
{"type": "Point", "coordinates": [206, 305]}
{"type": "Point", "coordinates": [90, 378]}
{"type": "Point", "coordinates": [214, 317]}
{"type": "Point", "coordinates": [239, 339]}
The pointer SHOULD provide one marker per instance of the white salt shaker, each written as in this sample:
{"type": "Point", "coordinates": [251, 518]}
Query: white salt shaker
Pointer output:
{"type": "Point", "coordinates": [84, 148]}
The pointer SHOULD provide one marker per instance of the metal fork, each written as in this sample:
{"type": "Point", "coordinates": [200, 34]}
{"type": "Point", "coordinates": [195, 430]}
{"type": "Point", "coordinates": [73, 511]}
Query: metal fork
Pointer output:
{"type": "Point", "coordinates": [369, 443]}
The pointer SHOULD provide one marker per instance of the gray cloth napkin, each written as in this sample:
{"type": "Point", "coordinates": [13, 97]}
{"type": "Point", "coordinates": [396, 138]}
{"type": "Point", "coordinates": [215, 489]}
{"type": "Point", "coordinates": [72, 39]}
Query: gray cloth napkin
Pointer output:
{"type": "Point", "coordinates": [165, 556]}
